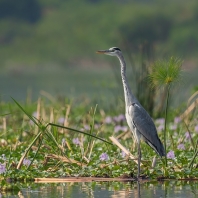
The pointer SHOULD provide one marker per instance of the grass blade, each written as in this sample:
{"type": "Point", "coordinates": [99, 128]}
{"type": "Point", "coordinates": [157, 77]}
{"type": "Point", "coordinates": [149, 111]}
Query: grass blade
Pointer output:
{"type": "Point", "coordinates": [78, 131]}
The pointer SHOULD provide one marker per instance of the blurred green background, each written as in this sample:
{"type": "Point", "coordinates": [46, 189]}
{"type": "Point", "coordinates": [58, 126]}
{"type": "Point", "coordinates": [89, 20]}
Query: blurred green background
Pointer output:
{"type": "Point", "coordinates": [49, 45]}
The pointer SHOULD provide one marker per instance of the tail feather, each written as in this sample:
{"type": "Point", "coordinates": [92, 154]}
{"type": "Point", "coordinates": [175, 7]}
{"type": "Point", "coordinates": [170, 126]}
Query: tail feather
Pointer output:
{"type": "Point", "coordinates": [159, 148]}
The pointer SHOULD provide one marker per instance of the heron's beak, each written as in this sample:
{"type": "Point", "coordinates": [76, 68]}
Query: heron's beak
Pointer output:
{"type": "Point", "coordinates": [102, 51]}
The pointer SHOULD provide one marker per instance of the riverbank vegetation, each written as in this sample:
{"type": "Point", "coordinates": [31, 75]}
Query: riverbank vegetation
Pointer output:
{"type": "Point", "coordinates": [31, 147]}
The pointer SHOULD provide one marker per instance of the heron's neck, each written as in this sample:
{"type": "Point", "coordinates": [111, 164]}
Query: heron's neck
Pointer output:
{"type": "Point", "coordinates": [128, 95]}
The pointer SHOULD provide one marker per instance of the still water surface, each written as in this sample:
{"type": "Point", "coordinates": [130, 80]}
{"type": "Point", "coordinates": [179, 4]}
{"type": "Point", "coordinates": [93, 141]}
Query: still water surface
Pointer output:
{"type": "Point", "coordinates": [167, 189]}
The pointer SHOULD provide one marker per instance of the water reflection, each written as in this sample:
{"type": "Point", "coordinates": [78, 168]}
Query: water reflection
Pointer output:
{"type": "Point", "coordinates": [144, 189]}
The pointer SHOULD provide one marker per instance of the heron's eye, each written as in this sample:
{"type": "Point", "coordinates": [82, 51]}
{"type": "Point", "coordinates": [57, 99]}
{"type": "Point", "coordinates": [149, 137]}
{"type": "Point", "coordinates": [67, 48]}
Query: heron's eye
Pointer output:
{"type": "Point", "coordinates": [116, 48]}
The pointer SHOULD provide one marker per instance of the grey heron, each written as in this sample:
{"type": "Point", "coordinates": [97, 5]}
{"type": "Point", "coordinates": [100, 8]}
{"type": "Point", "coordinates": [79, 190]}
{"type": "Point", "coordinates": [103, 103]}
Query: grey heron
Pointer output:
{"type": "Point", "coordinates": [139, 121]}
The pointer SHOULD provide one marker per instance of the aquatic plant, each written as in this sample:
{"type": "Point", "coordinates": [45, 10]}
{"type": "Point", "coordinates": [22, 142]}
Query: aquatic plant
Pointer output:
{"type": "Point", "coordinates": [171, 155]}
{"type": "Point", "coordinates": [41, 148]}
{"type": "Point", "coordinates": [164, 75]}
{"type": "Point", "coordinates": [104, 157]}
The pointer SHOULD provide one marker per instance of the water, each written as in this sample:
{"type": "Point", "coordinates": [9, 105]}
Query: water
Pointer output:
{"type": "Point", "coordinates": [166, 189]}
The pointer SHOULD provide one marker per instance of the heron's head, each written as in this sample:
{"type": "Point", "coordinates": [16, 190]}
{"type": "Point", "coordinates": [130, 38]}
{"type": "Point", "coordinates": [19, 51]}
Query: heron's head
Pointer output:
{"type": "Point", "coordinates": [113, 51]}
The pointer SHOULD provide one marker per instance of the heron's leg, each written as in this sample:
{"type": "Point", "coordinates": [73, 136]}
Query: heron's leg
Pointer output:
{"type": "Point", "coordinates": [138, 188]}
{"type": "Point", "coordinates": [139, 159]}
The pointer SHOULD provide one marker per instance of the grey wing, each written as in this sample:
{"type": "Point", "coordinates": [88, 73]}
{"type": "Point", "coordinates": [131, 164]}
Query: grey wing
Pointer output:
{"type": "Point", "coordinates": [145, 126]}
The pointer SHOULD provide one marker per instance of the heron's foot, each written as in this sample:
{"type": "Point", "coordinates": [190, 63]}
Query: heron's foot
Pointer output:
{"type": "Point", "coordinates": [141, 177]}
